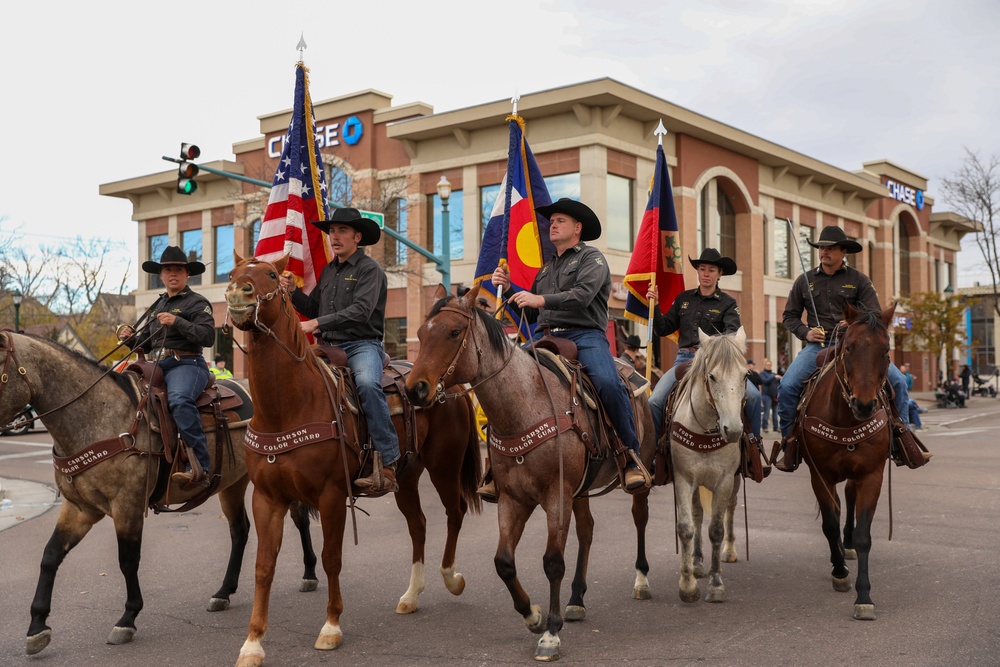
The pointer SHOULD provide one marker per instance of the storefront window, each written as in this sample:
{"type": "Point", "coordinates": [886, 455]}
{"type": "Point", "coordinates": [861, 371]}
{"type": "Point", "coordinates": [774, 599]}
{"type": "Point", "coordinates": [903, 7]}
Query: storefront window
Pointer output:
{"type": "Point", "coordinates": [339, 186]}
{"type": "Point", "coordinates": [488, 196]}
{"type": "Point", "coordinates": [191, 245]}
{"type": "Point", "coordinates": [455, 222]}
{"type": "Point", "coordinates": [620, 220]}
{"type": "Point", "coordinates": [223, 252]}
{"type": "Point", "coordinates": [395, 337]}
{"type": "Point", "coordinates": [716, 220]}
{"type": "Point", "coordinates": [563, 185]}
{"type": "Point", "coordinates": [157, 244]}
{"type": "Point", "coordinates": [254, 237]}
{"type": "Point", "coordinates": [782, 250]}
{"type": "Point", "coordinates": [395, 219]}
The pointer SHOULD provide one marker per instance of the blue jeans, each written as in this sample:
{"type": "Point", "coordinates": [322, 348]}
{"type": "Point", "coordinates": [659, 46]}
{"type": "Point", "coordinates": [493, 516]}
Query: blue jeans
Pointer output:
{"type": "Point", "coordinates": [659, 397]}
{"type": "Point", "coordinates": [364, 358]}
{"type": "Point", "coordinates": [913, 416]}
{"type": "Point", "coordinates": [802, 367]}
{"type": "Point", "coordinates": [186, 379]}
{"type": "Point", "coordinates": [594, 354]}
{"type": "Point", "coordinates": [770, 411]}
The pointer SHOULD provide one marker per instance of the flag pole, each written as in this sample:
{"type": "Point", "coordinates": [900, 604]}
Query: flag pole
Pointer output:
{"type": "Point", "coordinates": [503, 261]}
{"type": "Point", "coordinates": [659, 132]}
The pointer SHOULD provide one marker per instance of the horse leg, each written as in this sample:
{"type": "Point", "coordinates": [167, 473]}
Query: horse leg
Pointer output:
{"type": "Point", "coordinates": [640, 517]}
{"type": "Point", "coordinates": [554, 565]}
{"type": "Point", "coordinates": [829, 507]}
{"type": "Point", "coordinates": [701, 496]}
{"type": "Point", "coordinates": [333, 515]}
{"type": "Point", "coordinates": [269, 520]}
{"type": "Point", "coordinates": [73, 525]}
{"type": "Point", "coordinates": [721, 500]}
{"type": "Point", "coordinates": [448, 483]}
{"type": "Point", "coordinates": [686, 498]}
{"type": "Point", "coordinates": [867, 496]}
{"type": "Point", "coordinates": [576, 610]}
{"type": "Point", "coordinates": [850, 496]}
{"type": "Point", "coordinates": [128, 529]}
{"type": "Point", "coordinates": [233, 502]}
{"type": "Point", "coordinates": [300, 517]}
{"type": "Point", "coordinates": [511, 517]}
{"type": "Point", "coordinates": [408, 502]}
{"type": "Point", "coordinates": [729, 542]}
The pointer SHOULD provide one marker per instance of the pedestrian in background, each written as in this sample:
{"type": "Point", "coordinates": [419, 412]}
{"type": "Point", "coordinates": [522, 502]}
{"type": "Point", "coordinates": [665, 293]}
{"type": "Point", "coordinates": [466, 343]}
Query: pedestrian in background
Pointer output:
{"type": "Point", "coordinates": [769, 383]}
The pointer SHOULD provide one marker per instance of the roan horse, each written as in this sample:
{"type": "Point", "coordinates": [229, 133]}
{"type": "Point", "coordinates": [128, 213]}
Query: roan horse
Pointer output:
{"type": "Point", "coordinates": [294, 391]}
{"type": "Point", "coordinates": [460, 342]}
{"type": "Point", "coordinates": [80, 405]}
{"type": "Point", "coordinates": [705, 452]}
{"type": "Point", "coordinates": [849, 395]}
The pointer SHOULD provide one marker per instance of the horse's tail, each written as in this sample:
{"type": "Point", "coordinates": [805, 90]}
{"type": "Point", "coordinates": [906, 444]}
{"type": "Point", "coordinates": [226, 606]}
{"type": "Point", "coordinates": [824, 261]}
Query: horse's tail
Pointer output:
{"type": "Point", "coordinates": [472, 467]}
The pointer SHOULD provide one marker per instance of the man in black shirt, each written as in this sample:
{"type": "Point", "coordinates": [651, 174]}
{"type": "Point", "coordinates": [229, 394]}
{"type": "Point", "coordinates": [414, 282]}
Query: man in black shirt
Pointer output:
{"type": "Point", "coordinates": [182, 325]}
{"type": "Point", "coordinates": [347, 309]}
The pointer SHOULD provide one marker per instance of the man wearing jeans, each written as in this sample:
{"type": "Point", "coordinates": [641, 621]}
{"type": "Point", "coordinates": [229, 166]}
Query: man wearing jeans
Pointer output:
{"type": "Point", "coordinates": [347, 309]}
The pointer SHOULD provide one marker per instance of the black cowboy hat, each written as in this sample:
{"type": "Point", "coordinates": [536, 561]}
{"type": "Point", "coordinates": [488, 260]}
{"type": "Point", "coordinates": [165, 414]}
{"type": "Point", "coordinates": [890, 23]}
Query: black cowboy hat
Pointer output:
{"type": "Point", "coordinates": [715, 258]}
{"type": "Point", "coordinates": [578, 211]}
{"type": "Point", "coordinates": [634, 341]}
{"type": "Point", "coordinates": [174, 256]}
{"type": "Point", "coordinates": [834, 235]}
{"type": "Point", "coordinates": [370, 232]}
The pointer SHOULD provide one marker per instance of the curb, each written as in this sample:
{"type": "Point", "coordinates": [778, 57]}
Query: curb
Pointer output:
{"type": "Point", "coordinates": [21, 500]}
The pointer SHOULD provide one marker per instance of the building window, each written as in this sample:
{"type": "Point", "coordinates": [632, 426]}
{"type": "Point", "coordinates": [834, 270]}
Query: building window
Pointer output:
{"type": "Point", "coordinates": [223, 252]}
{"type": "Point", "coordinates": [191, 245]}
{"type": "Point", "coordinates": [716, 220]}
{"type": "Point", "coordinates": [782, 251]}
{"type": "Point", "coordinates": [455, 222]}
{"type": "Point", "coordinates": [767, 253]}
{"type": "Point", "coordinates": [395, 337]}
{"type": "Point", "coordinates": [395, 219]}
{"type": "Point", "coordinates": [563, 185]}
{"type": "Point", "coordinates": [254, 237]}
{"type": "Point", "coordinates": [904, 259]}
{"type": "Point", "coordinates": [339, 186]}
{"type": "Point", "coordinates": [488, 196]}
{"type": "Point", "coordinates": [811, 254]}
{"type": "Point", "coordinates": [157, 244]}
{"type": "Point", "coordinates": [620, 223]}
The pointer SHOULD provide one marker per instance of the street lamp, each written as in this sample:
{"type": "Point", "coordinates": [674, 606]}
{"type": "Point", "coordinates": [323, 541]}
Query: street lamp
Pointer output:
{"type": "Point", "coordinates": [444, 192]}
{"type": "Point", "coordinates": [17, 297]}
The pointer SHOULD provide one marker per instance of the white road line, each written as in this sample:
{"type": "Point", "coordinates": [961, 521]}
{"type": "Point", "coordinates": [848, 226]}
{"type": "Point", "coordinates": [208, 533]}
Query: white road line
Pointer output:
{"type": "Point", "coordinates": [24, 455]}
{"type": "Point", "coordinates": [26, 443]}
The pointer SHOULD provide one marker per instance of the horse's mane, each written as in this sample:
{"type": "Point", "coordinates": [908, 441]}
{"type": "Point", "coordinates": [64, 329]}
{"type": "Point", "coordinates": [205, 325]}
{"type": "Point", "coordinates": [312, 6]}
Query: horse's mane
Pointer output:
{"type": "Point", "coordinates": [719, 352]}
{"type": "Point", "coordinates": [495, 333]}
{"type": "Point", "coordinates": [871, 319]}
{"type": "Point", "coordinates": [76, 356]}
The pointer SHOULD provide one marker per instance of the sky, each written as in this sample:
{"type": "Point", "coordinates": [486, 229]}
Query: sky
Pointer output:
{"type": "Point", "coordinates": [93, 93]}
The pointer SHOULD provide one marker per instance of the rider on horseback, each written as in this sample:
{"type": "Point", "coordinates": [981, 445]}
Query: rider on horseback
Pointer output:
{"type": "Point", "coordinates": [711, 310]}
{"type": "Point", "coordinates": [347, 307]}
{"type": "Point", "coordinates": [833, 283]}
{"type": "Point", "coordinates": [570, 294]}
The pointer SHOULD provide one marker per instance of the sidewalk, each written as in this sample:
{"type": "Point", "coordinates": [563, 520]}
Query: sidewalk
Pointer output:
{"type": "Point", "coordinates": [21, 500]}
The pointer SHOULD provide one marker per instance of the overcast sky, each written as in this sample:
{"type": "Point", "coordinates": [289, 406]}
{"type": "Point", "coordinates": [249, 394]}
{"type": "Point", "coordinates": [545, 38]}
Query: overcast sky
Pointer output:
{"type": "Point", "coordinates": [96, 92]}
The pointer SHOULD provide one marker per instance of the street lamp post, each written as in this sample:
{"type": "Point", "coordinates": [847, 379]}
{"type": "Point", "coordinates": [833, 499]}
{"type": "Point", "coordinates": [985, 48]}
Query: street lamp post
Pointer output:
{"type": "Point", "coordinates": [444, 192]}
{"type": "Point", "coordinates": [17, 297]}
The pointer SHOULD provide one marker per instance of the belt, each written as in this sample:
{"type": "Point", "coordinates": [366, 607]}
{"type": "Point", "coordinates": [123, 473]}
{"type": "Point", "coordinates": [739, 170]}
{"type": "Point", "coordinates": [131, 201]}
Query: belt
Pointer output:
{"type": "Point", "coordinates": [161, 353]}
{"type": "Point", "coordinates": [558, 329]}
{"type": "Point", "coordinates": [692, 349]}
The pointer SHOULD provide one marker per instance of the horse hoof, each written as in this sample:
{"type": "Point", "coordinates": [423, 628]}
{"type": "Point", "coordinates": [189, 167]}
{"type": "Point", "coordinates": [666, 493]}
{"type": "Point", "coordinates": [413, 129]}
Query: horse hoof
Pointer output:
{"type": "Point", "coordinates": [698, 570]}
{"type": "Point", "coordinates": [716, 595]}
{"type": "Point", "coordinates": [121, 636]}
{"type": "Point", "coordinates": [536, 620]}
{"type": "Point", "coordinates": [575, 612]}
{"type": "Point", "coordinates": [218, 604]}
{"type": "Point", "coordinates": [251, 660]}
{"type": "Point", "coordinates": [406, 606]}
{"type": "Point", "coordinates": [330, 637]}
{"type": "Point", "coordinates": [842, 585]}
{"type": "Point", "coordinates": [642, 593]}
{"type": "Point", "coordinates": [548, 648]}
{"type": "Point", "coordinates": [850, 554]}
{"type": "Point", "coordinates": [689, 596]}
{"type": "Point", "coordinates": [308, 585]}
{"type": "Point", "coordinates": [864, 612]}
{"type": "Point", "coordinates": [730, 557]}
{"type": "Point", "coordinates": [36, 643]}
{"type": "Point", "coordinates": [455, 584]}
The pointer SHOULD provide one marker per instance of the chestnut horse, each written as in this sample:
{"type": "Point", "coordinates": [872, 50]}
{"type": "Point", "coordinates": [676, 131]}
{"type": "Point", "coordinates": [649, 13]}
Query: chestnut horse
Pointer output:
{"type": "Point", "coordinates": [850, 394]}
{"type": "Point", "coordinates": [461, 343]}
{"type": "Point", "coordinates": [82, 404]}
{"type": "Point", "coordinates": [293, 391]}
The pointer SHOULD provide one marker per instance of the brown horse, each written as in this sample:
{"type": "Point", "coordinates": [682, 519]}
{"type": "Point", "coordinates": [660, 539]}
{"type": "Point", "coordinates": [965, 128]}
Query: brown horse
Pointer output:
{"type": "Point", "coordinates": [461, 343]}
{"type": "Point", "coordinates": [850, 408]}
{"type": "Point", "coordinates": [295, 392]}
{"type": "Point", "coordinates": [81, 404]}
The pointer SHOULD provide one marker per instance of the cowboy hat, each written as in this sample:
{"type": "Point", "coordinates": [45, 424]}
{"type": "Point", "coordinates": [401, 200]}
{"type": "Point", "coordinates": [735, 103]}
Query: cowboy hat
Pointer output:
{"type": "Point", "coordinates": [174, 256]}
{"type": "Point", "coordinates": [715, 258]}
{"type": "Point", "coordinates": [834, 235]}
{"type": "Point", "coordinates": [578, 211]}
{"type": "Point", "coordinates": [634, 341]}
{"type": "Point", "coordinates": [370, 232]}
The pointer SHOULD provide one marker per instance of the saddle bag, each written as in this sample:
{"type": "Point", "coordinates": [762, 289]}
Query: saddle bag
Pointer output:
{"type": "Point", "coordinates": [906, 448]}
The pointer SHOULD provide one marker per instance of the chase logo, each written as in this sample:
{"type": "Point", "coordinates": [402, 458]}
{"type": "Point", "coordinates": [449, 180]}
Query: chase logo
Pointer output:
{"type": "Point", "coordinates": [352, 131]}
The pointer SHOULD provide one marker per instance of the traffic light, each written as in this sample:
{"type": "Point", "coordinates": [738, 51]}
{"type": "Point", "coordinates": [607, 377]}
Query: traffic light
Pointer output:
{"type": "Point", "coordinates": [186, 172]}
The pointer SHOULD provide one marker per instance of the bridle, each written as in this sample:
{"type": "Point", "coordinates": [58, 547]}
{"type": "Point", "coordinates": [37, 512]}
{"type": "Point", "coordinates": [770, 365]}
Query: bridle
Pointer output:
{"type": "Point", "coordinates": [256, 325]}
{"type": "Point", "coordinates": [840, 370]}
{"type": "Point", "coordinates": [439, 394]}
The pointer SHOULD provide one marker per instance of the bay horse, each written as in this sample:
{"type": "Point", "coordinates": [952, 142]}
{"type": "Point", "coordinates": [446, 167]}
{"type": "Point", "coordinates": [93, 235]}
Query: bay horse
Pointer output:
{"type": "Point", "coordinates": [847, 408]}
{"type": "Point", "coordinates": [81, 404]}
{"type": "Point", "coordinates": [705, 437]}
{"type": "Point", "coordinates": [294, 391]}
{"type": "Point", "coordinates": [461, 343]}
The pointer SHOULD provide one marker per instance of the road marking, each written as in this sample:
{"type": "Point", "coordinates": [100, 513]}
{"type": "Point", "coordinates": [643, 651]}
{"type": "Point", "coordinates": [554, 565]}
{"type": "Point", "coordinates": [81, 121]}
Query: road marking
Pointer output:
{"type": "Point", "coordinates": [22, 455]}
{"type": "Point", "coordinates": [25, 443]}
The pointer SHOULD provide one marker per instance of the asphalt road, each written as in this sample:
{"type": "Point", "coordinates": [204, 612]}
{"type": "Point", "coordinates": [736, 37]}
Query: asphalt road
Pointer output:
{"type": "Point", "coordinates": [935, 584]}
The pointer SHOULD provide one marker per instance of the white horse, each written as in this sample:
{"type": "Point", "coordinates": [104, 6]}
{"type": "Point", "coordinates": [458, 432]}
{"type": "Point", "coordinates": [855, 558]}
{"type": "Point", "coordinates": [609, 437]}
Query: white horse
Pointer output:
{"type": "Point", "coordinates": [705, 452]}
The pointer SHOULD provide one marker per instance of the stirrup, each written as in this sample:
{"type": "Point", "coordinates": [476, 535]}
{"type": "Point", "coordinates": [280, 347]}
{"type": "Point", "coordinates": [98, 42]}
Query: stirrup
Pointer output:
{"type": "Point", "coordinates": [635, 484]}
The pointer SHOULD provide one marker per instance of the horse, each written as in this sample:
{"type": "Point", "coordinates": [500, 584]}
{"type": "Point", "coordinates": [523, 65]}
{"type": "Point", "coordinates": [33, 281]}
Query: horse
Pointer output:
{"type": "Point", "coordinates": [705, 452]}
{"type": "Point", "coordinates": [461, 343]}
{"type": "Point", "coordinates": [81, 404]}
{"type": "Point", "coordinates": [294, 392]}
{"type": "Point", "coordinates": [846, 438]}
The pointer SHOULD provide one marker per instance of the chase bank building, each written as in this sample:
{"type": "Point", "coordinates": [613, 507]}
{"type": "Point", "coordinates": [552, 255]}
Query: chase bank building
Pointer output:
{"type": "Point", "coordinates": [593, 141]}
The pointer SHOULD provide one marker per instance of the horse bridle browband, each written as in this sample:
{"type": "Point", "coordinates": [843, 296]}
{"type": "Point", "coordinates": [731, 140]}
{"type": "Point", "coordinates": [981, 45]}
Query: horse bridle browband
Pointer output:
{"type": "Point", "coordinates": [440, 394]}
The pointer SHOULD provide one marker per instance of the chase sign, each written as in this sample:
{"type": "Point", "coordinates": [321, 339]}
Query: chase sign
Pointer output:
{"type": "Point", "coordinates": [905, 194]}
{"type": "Point", "coordinates": [326, 135]}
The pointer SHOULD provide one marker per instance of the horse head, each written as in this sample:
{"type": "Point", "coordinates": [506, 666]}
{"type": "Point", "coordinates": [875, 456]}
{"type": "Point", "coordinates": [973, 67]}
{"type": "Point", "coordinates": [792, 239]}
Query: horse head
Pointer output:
{"type": "Point", "coordinates": [863, 361]}
{"type": "Point", "coordinates": [445, 356]}
{"type": "Point", "coordinates": [14, 395]}
{"type": "Point", "coordinates": [720, 363]}
{"type": "Point", "coordinates": [253, 284]}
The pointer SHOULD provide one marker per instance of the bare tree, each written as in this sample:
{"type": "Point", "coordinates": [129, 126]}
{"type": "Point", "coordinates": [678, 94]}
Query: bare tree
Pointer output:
{"type": "Point", "coordinates": [974, 192]}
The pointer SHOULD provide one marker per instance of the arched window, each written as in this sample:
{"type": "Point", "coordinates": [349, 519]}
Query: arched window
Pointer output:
{"type": "Point", "coordinates": [338, 186]}
{"type": "Point", "coordinates": [716, 220]}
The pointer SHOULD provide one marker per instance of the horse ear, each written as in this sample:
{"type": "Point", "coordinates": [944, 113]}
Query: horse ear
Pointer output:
{"type": "Point", "coordinates": [280, 264]}
{"type": "Point", "coordinates": [741, 338]}
{"type": "Point", "coordinates": [237, 259]}
{"type": "Point", "coordinates": [440, 292]}
{"type": "Point", "coordinates": [470, 297]}
{"type": "Point", "coordinates": [850, 312]}
{"type": "Point", "coordinates": [888, 314]}
{"type": "Point", "coordinates": [703, 337]}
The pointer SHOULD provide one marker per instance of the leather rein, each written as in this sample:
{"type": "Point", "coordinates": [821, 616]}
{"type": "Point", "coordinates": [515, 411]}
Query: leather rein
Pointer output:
{"type": "Point", "coordinates": [440, 394]}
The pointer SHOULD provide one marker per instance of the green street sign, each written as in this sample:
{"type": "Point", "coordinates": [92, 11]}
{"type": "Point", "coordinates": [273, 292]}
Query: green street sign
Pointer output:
{"type": "Point", "coordinates": [377, 217]}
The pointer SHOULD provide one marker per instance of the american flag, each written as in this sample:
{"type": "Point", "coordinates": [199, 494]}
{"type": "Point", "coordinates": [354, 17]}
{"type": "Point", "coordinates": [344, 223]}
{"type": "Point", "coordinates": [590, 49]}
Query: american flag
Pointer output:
{"type": "Point", "coordinates": [298, 196]}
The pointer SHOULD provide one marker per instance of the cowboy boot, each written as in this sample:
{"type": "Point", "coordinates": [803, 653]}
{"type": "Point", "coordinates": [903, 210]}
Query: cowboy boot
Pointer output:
{"type": "Point", "coordinates": [488, 489]}
{"type": "Point", "coordinates": [635, 477]}
{"type": "Point", "coordinates": [195, 476]}
{"type": "Point", "coordinates": [382, 479]}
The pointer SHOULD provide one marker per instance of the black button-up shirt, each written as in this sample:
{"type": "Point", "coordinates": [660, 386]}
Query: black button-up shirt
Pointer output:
{"type": "Point", "coordinates": [576, 286]}
{"type": "Point", "coordinates": [193, 329]}
{"type": "Point", "coordinates": [348, 301]}
{"type": "Point", "coordinates": [846, 285]}
{"type": "Point", "coordinates": [691, 310]}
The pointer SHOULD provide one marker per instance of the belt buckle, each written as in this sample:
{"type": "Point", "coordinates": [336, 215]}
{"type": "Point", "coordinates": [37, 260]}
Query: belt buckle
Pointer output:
{"type": "Point", "coordinates": [157, 354]}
